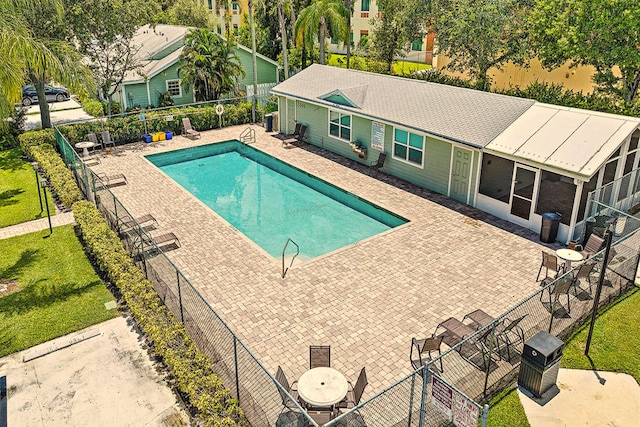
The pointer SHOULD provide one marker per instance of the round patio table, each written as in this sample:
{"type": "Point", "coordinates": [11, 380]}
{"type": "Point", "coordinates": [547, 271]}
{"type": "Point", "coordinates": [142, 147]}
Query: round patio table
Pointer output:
{"type": "Point", "coordinates": [85, 145]}
{"type": "Point", "coordinates": [569, 256]}
{"type": "Point", "coordinates": [322, 386]}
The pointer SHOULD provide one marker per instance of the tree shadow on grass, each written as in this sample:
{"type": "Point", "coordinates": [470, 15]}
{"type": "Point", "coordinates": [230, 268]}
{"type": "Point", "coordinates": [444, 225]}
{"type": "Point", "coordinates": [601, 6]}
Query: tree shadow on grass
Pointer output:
{"type": "Point", "coordinates": [12, 160]}
{"type": "Point", "coordinates": [43, 293]}
{"type": "Point", "coordinates": [27, 257]}
{"type": "Point", "coordinates": [7, 197]}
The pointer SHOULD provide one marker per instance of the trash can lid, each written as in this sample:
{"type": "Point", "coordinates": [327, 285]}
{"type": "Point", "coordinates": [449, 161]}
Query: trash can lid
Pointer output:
{"type": "Point", "coordinates": [552, 215]}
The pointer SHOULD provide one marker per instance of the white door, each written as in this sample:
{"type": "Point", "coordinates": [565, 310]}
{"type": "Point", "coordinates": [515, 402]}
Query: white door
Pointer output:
{"type": "Point", "coordinates": [523, 190]}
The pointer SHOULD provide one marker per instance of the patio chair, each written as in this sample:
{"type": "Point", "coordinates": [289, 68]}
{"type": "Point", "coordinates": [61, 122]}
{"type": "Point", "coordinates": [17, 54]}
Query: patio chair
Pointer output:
{"type": "Point", "coordinates": [549, 261]}
{"type": "Point", "coordinates": [561, 287]}
{"type": "Point", "coordinates": [319, 356]}
{"type": "Point", "coordinates": [424, 347]}
{"type": "Point", "coordinates": [509, 333]}
{"type": "Point", "coordinates": [456, 332]}
{"type": "Point", "coordinates": [584, 272]}
{"type": "Point", "coordinates": [298, 138]}
{"type": "Point", "coordinates": [113, 180]}
{"type": "Point", "coordinates": [355, 394]}
{"type": "Point", "coordinates": [296, 132]}
{"type": "Point", "coordinates": [106, 140]}
{"type": "Point", "coordinates": [146, 222]}
{"type": "Point", "coordinates": [292, 393]}
{"type": "Point", "coordinates": [594, 245]}
{"type": "Point", "coordinates": [379, 164]}
{"type": "Point", "coordinates": [188, 130]}
{"type": "Point", "coordinates": [91, 137]}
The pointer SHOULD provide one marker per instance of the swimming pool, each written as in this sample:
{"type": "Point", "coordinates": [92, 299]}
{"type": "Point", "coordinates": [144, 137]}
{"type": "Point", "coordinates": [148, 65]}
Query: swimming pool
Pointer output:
{"type": "Point", "coordinates": [270, 201]}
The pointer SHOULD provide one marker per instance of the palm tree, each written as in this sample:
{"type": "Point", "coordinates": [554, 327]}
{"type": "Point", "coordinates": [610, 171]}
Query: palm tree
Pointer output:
{"type": "Point", "coordinates": [315, 19]}
{"type": "Point", "coordinates": [209, 65]}
{"type": "Point", "coordinates": [16, 45]}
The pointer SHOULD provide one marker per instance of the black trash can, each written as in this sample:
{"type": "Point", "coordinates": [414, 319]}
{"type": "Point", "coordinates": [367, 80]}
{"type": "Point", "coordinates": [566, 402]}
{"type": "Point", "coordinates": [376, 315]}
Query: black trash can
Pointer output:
{"type": "Point", "coordinates": [540, 363]}
{"type": "Point", "coordinates": [269, 119]}
{"type": "Point", "coordinates": [550, 224]}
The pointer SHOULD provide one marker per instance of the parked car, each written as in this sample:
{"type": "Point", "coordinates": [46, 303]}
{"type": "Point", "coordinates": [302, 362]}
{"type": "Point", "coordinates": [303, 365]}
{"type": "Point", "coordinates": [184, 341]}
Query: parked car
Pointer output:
{"type": "Point", "coordinates": [29, 95]}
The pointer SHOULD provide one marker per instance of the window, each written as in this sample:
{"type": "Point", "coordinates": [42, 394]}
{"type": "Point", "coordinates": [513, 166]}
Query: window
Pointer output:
{"type": "Point", "coordinates": [364, 38]}
{"type": "Point", "coordinates": [340, 125]}
{"type": "Point", "coordinates": [351, 38]}
{"type": "Point", "coordinates": [556, 194]}
{"type": "Point", "coordinates": [417, 44]}
{"type": "Point", "coordinates": [495, 177]}
{"type": "Point", "coordinates": [365, 6]}
{"type": "Point", "coordinates": [408, 146]}
{"type": "Point", "coordinates": [174, 89]}
{"type": "Point", "coordinates": [235, 7]}
{"type": "Point", "coordinates": [210, 4]}
{"type": "Point", "coordinates": [235, 29]}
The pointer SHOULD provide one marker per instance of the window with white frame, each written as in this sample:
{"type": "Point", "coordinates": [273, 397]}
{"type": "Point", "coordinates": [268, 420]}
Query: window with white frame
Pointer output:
{"type": "Point", "coordinates": [408, 146]}
{"type": "Point", "coordinates": [340, 125]}
{"type": "Point", "coordinates": [174, 89]}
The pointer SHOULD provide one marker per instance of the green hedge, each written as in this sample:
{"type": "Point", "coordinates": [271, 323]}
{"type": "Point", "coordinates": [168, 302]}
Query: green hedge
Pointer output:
{"type": "Point", "coordinates": [94, 108]}
{"type": "Point", "coordinates": [190, 367]}
{"type": "Point", "coordinates": [38, 145]}
{"type": "Point", "coordinates": [128, 129]}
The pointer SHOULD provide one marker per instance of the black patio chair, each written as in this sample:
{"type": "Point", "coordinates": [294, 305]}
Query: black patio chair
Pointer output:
{"type": "Point", "coordinates": [424, 347]}
{"type": "Point", "coordinates": [354, 395]}
{"type": "Point", "coordinates": [592, 246]}
{"type": "Point", "coordinates": [509, 333]}
{"type": "Point", "coordinates": [285, 388]}
{"type": "Point", "coordinates": [584, 272]}
{"type": "Point", "coordinates": [319, 356]}
{"type": "Point", "coordinates": [106, 140]}
{"type": "Point", "coordinates": [296, 137]}
{"type": "Point", "coordinates": [379, 164]}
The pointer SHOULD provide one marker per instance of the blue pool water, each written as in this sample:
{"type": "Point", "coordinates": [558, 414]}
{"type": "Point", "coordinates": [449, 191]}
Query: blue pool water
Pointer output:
{"type": "Point", "coordinates": [270, 201]}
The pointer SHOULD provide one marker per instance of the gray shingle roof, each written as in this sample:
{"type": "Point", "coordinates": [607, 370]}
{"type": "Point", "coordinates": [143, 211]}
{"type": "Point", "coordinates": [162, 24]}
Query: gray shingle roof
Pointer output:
{"type": "Point", "coordinates": [465, 115]}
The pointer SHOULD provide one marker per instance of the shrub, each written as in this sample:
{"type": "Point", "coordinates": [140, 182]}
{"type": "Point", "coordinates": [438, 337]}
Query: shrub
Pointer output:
{"type": "Point", "coordinates": [190, 367]}
{"type": "Point", "coordinates": [94, 108]}
{"type": "Point", "coordinates": [12, 128]}
{"type": "Point", "coordinates": [38, 145]}
{"type": "Point", "coordinates": [165, 100]}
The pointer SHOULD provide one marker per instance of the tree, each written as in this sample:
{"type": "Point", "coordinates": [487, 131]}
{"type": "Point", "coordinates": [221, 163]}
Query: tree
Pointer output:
{"type": "Point", "coordinates": [388, 37]}
{"type": "Point", "coordinates": [209, 65]}
{"type": "Point", "coordinates": [193, 13]}
{"type": "Point", "coordinates": [63, 62]}
{"type": "Point", "coordinates": [602, 33]}
{"type": "Point", "coordinates": [478, 34]}
{"type": "Point", "coordinates": [314, 21]}
{"type": "Point", "coordinates": [104, 32]}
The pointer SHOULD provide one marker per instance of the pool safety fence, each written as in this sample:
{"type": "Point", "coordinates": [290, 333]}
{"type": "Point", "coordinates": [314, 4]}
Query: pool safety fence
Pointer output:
{"type": "Point", "coordinates": [472, 371]}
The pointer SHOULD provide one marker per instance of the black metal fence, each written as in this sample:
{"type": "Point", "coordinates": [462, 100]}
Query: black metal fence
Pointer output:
{"type": "Point", "coordinates": [471, 371]}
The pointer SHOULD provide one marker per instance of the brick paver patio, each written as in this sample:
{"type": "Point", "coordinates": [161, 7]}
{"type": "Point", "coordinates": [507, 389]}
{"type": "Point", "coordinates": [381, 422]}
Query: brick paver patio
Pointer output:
{"type": "Point", "coordinates": [367, 300]}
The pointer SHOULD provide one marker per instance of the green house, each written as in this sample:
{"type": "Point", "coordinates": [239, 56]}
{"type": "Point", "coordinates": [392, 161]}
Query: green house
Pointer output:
{"type": "Point", "coordinates": [512, 157]}
{"type": "Point", "coordinates": [159, 58]}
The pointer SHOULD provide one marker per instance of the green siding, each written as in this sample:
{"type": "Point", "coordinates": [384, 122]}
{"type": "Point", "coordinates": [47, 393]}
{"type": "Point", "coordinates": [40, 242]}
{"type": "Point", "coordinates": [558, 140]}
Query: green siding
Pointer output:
{"type": "Point", "coordinates": [168, 49]}
{"type": "Point", "coordinates": [158, 85]}
{"type": "Point", "coordinates": [434, 175]}
{"type": "Point", "coordinates": [139, 93]}
{"type": "Point", "coordinates": [267, 72]}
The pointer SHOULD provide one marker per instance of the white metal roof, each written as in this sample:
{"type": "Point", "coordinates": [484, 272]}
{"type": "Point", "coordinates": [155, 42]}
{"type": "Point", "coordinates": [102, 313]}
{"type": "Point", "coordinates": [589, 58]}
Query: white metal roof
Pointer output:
{"type": "Point", "coordinates": [569, 139]}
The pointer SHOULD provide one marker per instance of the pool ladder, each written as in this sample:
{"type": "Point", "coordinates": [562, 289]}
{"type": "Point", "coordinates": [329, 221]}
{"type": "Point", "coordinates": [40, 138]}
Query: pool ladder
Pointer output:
{"type": "Point", "coordinates": [248, 136]}
{"type": "Point", "coordinates": [284, 270]}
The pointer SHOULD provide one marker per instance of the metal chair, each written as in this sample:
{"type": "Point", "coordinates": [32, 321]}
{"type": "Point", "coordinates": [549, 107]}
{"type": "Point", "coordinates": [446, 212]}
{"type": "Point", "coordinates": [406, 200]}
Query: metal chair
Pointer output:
{"type": "Point", "coordinates": [379, 164]}
{"type": "Point", "coordinates": [593, 246]}
{"type": "Point", "coordinates": [549, 261]}
{"type": "Point", "coordinates": [562, 287]}
{"type": "Point", "coordinates": [319, 356]}
{"type": "Point", "coordinates": [287, 392]}
{"type": "Point", "coordinates": [355, 394]}
{"type": "Point", "coordinates": [584, 272]}
{"type": "Point", "coordinates": [189, 131]}
{"type": "Point", "coordinates": [106, 140]}
{"type": "Point", "coordinates": [510, 333]}
{"type": "Point", "coordinates": [424, 347]}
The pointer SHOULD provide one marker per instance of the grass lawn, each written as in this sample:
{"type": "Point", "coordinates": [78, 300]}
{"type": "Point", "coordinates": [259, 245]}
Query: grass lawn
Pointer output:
{"type": "Point", "coordinates": [18, 192]}
{"type": "Point", "coordinates": [399, 67]}
{"type": "Point", "coordinates": [48, 289]}
{"type": "Point", "coordinates": [615, 347]}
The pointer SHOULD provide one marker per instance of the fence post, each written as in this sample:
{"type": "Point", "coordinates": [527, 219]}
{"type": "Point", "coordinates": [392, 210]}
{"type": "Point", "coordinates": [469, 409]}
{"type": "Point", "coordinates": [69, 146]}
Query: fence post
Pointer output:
{"type": "Point", "coordinates": [485, 414]}
{"type": "Point", "coordinates": [596, 298]}
{"type": "Point", "coordinates": [180, 296]}
{"type": "Point", "coordinates": [413, 388]}
{"type": "Point", "coordinates": [115, 210]}
{"type": "Point", "coordinates": [235, 361]}
{"type": "Point", "coordinates": [425, 381]}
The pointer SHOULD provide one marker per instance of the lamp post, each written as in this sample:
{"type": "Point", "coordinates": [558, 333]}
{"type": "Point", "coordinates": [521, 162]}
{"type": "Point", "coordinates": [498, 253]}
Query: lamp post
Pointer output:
{"type": "Point", "coordinates": [36, 169]}
{"type": "Point", "coordinates": [43, 184]}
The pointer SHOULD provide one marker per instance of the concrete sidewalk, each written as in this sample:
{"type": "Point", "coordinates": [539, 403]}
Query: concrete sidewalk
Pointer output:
{"type": "Point", "coordinates": [36, 225]}
{"type": "Point", "coordinates": [586, 398]}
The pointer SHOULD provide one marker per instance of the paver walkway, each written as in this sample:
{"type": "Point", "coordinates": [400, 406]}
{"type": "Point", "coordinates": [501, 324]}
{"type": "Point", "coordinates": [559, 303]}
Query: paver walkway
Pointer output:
{"type": "Point", "coordinates": [36, 225]}
{"type": "Point", "coordinates": [366, 300]}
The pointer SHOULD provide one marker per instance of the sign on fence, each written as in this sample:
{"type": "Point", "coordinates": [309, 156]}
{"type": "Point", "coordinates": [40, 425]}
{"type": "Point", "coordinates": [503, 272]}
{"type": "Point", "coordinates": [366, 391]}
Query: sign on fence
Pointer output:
{"type": "Point", "coordinates": [441, 396]}
{"type": "Point", "coordinates": [465, 413]}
